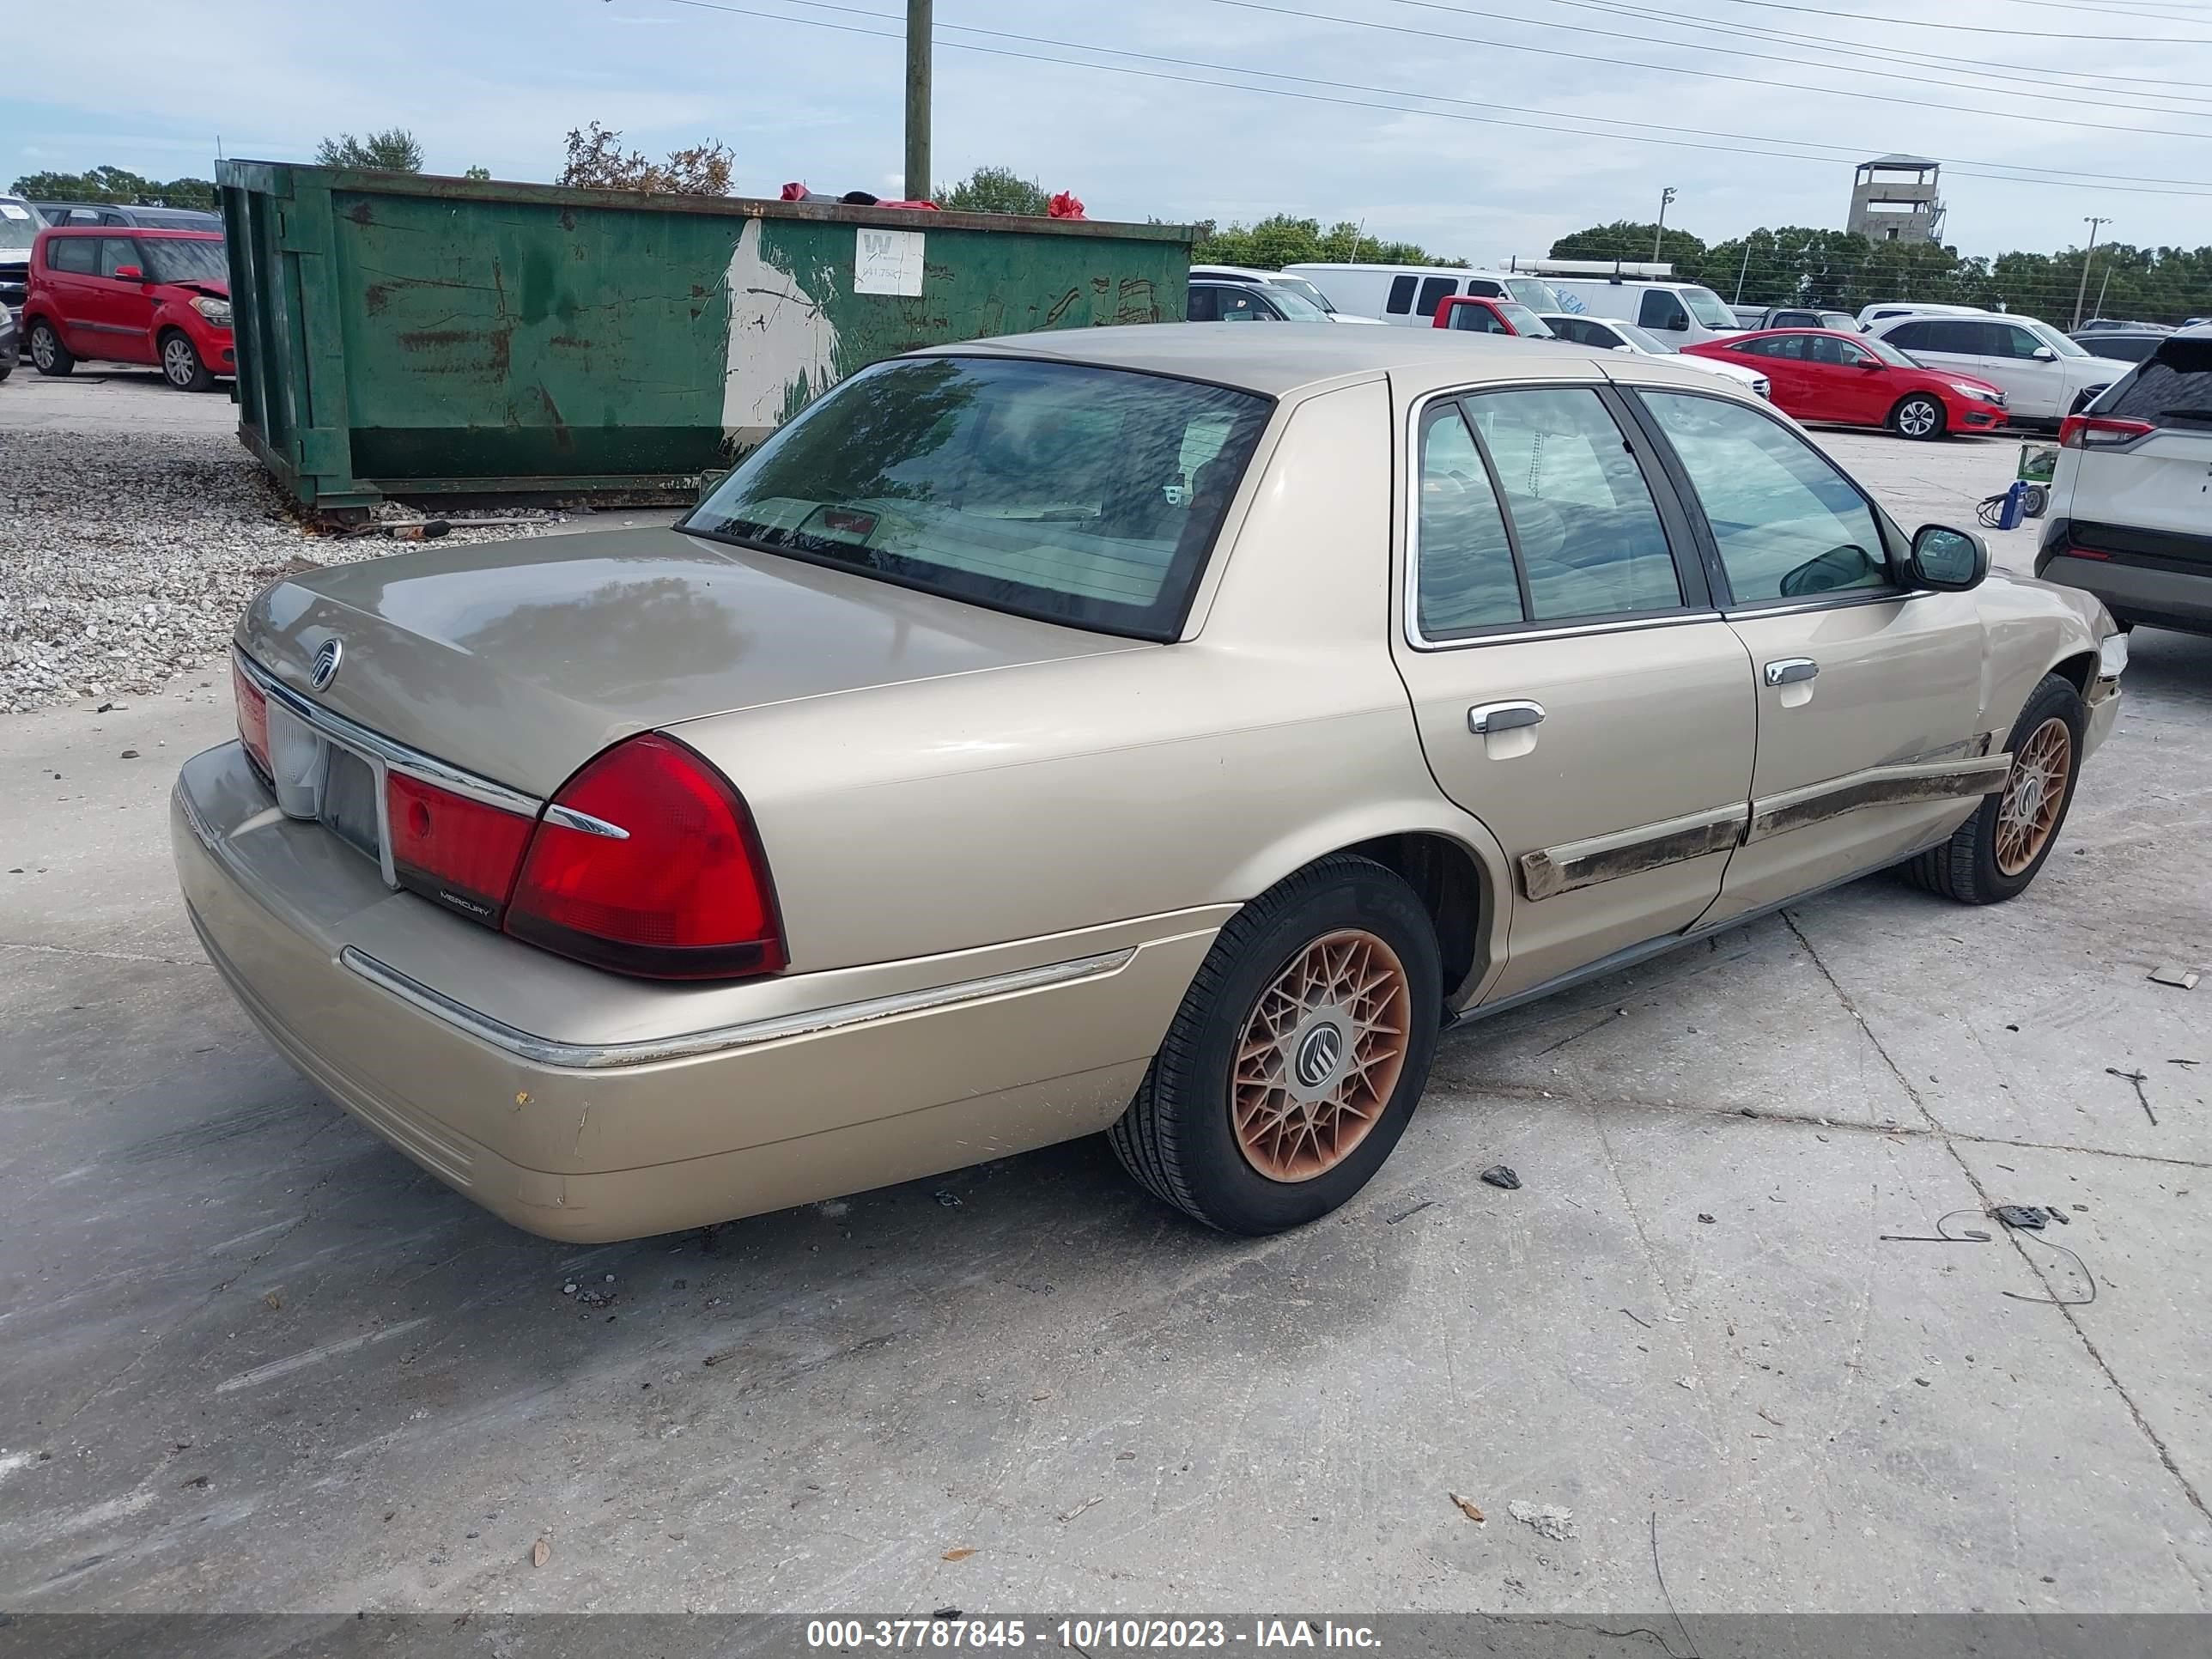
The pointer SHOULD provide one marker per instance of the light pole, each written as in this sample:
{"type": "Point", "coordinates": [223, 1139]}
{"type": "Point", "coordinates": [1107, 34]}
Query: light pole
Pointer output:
{"type": "Point", "coordinates": [918, 21]}
{"type": "Point", "coordinates": [2088, 254]}
{"type": "Point", "coordinates": [1665, 196]}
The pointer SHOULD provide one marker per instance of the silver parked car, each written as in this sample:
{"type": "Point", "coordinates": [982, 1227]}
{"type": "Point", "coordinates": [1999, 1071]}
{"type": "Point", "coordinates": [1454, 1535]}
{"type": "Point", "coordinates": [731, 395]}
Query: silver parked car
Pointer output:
{"type": "Point", "coordinates": [1161, 731]}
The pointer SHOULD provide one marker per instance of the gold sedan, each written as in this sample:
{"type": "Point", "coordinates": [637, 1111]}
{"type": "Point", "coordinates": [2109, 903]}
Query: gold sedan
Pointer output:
{"type": "Point", "coordinates": [1164, 730]}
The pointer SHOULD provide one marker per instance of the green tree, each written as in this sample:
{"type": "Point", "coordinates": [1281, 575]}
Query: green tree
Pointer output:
{"type": "Point", "coordinates": [478, 174]}
{"type": "Point", "coordinates": [1622, 239]}
{"type": "Point", "coordinates": [996, 190]}
{"type": "Point", "coordinates": [393, 150]}
{"type": "Point", "coordinates": [116, 184]}
{"type": "Point", "coordinates": [1282, 240]}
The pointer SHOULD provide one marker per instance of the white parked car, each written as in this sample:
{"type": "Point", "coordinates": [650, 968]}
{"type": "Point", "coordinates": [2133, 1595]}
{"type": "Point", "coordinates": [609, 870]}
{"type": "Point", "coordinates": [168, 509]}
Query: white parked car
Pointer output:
{"type": "Point", "coordinates": [2130, 520]}
{"type": "Point", "coordinates": [2044, 375]}
{"type": "Point", "coordinates": [1884, 310]}
{"type": "Point", "coordinates": [1611, 336]}
{"type": "Point", "coordinates": [1257, 278]}
{"type": "Point", "coordinates": [1684, 313]}
{"type": "Point", "coordinates": [1408, 296]}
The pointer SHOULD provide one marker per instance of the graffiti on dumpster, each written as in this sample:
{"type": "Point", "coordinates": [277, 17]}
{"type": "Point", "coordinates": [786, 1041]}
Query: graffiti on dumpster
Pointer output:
{"type": "Point", "coordinates": [782, 347]}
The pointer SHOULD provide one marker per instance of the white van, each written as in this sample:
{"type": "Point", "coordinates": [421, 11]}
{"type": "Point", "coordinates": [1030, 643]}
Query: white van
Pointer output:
{"type": "Point", "coordinates": [1409, 294]}
{"type": "Point", "coordinates": [1681, 313]}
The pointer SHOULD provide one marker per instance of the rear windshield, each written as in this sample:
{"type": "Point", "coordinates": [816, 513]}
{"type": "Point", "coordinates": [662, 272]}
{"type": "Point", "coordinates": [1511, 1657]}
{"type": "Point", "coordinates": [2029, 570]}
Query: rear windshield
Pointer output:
{"type": "Point", "coordinates": [2174, 388]}
{"type": "Point", "coordinates": [186, 260]}
{"type": "Point", "coordinates": [1078, 494]}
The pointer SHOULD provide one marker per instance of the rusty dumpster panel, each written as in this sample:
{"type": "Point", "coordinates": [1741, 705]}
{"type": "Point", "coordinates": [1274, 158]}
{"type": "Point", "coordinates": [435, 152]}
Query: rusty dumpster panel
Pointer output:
{"type": "Point", "coordinates": [404, 336]}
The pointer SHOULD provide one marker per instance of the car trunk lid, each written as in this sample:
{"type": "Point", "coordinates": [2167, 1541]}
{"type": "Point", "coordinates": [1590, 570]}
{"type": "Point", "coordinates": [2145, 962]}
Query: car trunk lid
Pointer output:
{"type": "Point", "coordinates": [520, 661]}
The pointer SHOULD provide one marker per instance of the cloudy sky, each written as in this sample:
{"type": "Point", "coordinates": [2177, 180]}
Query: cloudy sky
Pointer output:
{"type": "Point", "coordinates": [1483, 130]}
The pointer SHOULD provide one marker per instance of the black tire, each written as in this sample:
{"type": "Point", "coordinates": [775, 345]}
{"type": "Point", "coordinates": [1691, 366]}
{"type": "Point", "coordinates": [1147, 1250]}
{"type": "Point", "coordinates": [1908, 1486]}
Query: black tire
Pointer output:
{"type": "Point", "coordinates": [48, 355]}
{"type": "Point", "coordinates": [1966, 867]}
{"type": "Point", "coordinates": [180, 362]}
{"type": "Point", "coordinates": [1918, 415]}
{"type": "Point", "coordinates": [1179, 1137]}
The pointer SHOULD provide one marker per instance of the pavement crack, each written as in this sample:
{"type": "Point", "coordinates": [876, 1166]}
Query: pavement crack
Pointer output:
{"type": "Point", "coordinates": [1864, 1024]}
{"type": "Point", "coordinates": [101, 955]}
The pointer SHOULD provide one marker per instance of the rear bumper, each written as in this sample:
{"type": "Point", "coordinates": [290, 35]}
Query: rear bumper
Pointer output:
{"type": "Point", "coordinates": [2156, 591]}
{"type": "Point", "coordinates": [581, 1106]}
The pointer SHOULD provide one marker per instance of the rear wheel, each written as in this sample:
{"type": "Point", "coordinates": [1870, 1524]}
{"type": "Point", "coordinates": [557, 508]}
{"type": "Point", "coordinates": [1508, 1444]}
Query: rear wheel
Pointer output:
{"type": "Point", "coordinates": [1917, 417]}
{"type": "Point", "coordinates": [1298, 1056]}
{"type": "Point", "coordinates": [1994, 855]}
{"type": "Point", "coordinates": [180, 363]}
{"type": "Point", "coordinates": [48, 355]}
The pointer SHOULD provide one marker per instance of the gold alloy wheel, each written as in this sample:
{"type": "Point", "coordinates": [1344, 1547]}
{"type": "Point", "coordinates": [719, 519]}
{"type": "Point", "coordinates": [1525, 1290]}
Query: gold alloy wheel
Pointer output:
{"type": "Point", "coordinates": [1321, 1055]}
{"type": "Point", "coordinates": [2028, 810]}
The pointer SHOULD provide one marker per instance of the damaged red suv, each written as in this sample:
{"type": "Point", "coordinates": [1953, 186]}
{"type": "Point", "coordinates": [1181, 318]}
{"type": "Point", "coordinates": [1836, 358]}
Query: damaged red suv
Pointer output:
{"type": "Point", "coordinates": [131, 295]}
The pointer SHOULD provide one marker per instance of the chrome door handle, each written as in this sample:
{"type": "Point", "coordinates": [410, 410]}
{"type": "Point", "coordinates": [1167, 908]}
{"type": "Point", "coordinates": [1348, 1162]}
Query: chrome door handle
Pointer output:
{"type": "Point", "coordinates": [1789, 671]}
{"type": "Point", "coordinates": [1487, 717]}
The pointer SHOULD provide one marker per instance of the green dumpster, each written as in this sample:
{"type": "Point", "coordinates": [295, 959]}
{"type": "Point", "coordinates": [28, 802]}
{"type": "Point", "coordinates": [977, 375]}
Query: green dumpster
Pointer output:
{"type": "Point", "coordinates": [399, 335]}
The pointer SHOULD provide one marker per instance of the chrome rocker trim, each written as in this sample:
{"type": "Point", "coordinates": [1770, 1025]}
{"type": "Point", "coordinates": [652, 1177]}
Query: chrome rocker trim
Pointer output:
{"type": "Point", "coordinates": [600, 1056]}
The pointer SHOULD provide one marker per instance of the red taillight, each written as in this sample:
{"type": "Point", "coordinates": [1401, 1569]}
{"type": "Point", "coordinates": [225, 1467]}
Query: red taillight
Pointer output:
{"type": "Point", "coordinates": [252, 716]}
{"type": "Point", "coordinates": [460, 852]}
{"type": "Point", "coordinates": [683, 893]}
{"type": "Point", "coordinates": [2100, 432]}
{"type": "Point", "coordinates": [2087, 553]}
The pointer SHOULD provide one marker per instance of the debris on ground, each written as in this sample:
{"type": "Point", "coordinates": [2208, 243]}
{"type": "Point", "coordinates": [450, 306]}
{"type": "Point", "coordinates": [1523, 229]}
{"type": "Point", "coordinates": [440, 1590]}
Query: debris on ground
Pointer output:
{"type": "Point", "coordinates": [1467, 1508]}
{"type": "Point", "coordinates": [2138, 1078]}
{"type": "Point", "coordinates": [2020, 1215]}
{"type": "Point", "coordinates": [1087, 1504]}
{"type": "Point", "coordinates": [2172, 973]}
{"type": "Point", "coordinates": [1408, 1214]}
{"type": "Point", "coordinates": [1703, 1217]}
{"type": "Point", "coordinates": [949, 1199]}
{"type": "Point", "coordinates": [1545, 1519]}
{"type": "Point", "coordinates": [540, 1552]}
{"type": "Point", "coordinates": [960, 1554]}
{"type": "Point", "coordinates": [1646, 1326]}
{"type": "Point", "coordinates": [1498, 1174]}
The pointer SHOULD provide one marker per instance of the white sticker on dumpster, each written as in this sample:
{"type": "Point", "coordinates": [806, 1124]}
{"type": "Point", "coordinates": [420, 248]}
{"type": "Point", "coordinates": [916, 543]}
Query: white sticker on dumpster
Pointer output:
{"type": "Point", "coordinates": [887, 261]}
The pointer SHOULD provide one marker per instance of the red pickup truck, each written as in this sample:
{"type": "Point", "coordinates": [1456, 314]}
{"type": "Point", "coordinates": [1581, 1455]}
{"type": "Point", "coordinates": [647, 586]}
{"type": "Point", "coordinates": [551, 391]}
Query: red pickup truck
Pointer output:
{"type": "Point", "coordinates": [1472, 314]}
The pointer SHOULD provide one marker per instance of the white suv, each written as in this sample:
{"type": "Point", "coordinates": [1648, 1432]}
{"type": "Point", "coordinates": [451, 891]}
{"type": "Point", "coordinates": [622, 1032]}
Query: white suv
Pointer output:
{"type": "Point", "coordinates": [2131, 501]}
{"type": "Point", "coordinates": [2044, 375]}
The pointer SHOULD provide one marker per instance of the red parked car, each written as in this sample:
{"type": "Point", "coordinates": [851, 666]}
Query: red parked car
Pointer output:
{"type": "Point", "coordinates": [131, 295]}
{"type": "Point", "coordinates": [1472, 314]}
{"type": "Point", "coordinates": [1856, 380]}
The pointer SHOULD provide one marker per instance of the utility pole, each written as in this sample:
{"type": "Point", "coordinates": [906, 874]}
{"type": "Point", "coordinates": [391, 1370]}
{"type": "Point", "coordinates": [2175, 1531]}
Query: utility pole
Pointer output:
{"type": "Point", "coordinates": [1665, 196]}
{"type": "Point", "coordinates": [918, 186]}
{"type": "Point", "coordinates": [1745, 272]}
{"type": "Point", "coordinates": [2087, 254]}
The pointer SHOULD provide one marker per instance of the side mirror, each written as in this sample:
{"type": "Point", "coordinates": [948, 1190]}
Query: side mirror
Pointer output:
{"type": "Point", "coordinates": [128, 274]}
{"type": "Point", "coordinates": [1872, 362]}
{"type": "Point", "coordinates": [1949, 561]}
{"type": "Point", "coordinates": [2045, 355]}
{"type": "Point", "coordinates": [709, 482]}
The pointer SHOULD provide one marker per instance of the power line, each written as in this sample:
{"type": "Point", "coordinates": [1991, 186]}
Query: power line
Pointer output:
{"type": "Point", "coordinates": [2123, 183]}
{"type": "Point", "coordinates": [2041, 120]}
{"type": "Point", "coordinates": [2027, 74]}
{"type": "Point", "coordinates": [1863, 18]}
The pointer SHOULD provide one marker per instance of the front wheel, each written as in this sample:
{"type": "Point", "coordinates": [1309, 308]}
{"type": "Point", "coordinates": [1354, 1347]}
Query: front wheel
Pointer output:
{"type": "Point", "coordinates": [1917, 417]}
{"type": "Point", "coordinates": [48, 355]}
{"type": "Point", "coordinates": [1298, 1056]}
{"type": "Point", "coordinates": [1994, 855]}
{"type": "Point", "coordinates": [181, 365]}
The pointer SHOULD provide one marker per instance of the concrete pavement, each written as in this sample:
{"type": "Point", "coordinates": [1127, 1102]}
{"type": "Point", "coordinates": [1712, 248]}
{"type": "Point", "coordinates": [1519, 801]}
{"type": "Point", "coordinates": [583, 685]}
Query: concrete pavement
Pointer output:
{"type": "Point", "coordinates": [251, 1358]}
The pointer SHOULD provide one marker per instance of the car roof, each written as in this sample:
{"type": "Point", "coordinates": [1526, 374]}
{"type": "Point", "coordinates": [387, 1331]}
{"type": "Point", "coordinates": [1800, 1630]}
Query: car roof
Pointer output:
{"type": "Point", "coordinates": [158, 232]}
{"type": "Point", "coordinates": [1300, 357]}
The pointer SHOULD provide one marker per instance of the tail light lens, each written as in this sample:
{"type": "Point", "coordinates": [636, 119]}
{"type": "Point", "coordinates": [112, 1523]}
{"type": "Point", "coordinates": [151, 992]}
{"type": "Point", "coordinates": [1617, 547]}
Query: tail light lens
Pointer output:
{"type": "Point", "coordinates": [2100, 432]}
{"type": "Point", "coordinates": [460, 852]}
{"type": "Point", "coordinates": [682, 891]}
{"type": "Point", "coordinates": [252, 716]}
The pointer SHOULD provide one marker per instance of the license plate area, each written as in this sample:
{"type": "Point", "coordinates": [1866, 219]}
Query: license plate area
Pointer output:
{"type": "Point", "coordinates": [353, 801]}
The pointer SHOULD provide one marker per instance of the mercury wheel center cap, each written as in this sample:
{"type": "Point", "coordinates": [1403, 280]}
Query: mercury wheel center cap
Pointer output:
{"type": "Point", "coordinates": [1316, 1054]}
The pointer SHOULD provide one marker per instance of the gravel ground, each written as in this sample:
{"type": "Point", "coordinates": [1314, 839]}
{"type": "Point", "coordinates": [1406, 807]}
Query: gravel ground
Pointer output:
{"type": "Point", "coordinates": [126, 559]}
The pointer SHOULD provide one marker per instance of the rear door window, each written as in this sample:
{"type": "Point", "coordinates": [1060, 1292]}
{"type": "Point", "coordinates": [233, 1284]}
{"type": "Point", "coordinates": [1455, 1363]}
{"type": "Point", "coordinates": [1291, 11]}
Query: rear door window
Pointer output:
{"type": "Point", "coordinates": [1401, 295]}
{"type": "Point", "coordinates": [116, 253]}
{"type": "Point", "coordinates": [1434, 290]}
{"type": "Point", "coordinates": [1583, 522]}
{"type": "Point", "coordinates": [1078, 494]}
{"type": "Point", "coordinates": [1205, 304]}
{"type": "Point", "coordinates": [2174, 388]}
{"type": "Point", "coordinates": [1788, 524]}
{"type": "Point", "coordinates": [78, 255]}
